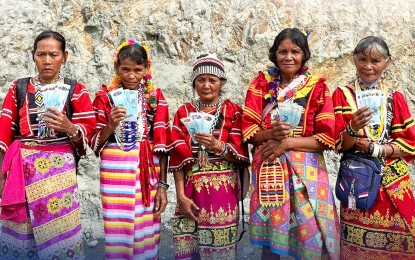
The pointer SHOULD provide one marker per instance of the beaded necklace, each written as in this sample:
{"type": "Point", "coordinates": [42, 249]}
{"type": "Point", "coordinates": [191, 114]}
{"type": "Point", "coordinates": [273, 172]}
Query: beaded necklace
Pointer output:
{"type": "Point", "coordinates": [203, 157]}
{"type": "Point", "coordinates": [129, 133]}
{"type": "Point", "coordinates": [274, 86]}
{"type": "Point", "coordinates": [217, 114]}
{"type": "Point", "coordinates": [43, 131]}
{"type": "Point", "coordinates": [374, 132]}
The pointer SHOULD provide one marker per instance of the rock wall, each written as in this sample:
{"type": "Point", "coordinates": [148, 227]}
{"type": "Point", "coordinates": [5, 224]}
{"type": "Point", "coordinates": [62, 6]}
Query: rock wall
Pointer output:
{"type": "Point", "coordinates": [241, 31]}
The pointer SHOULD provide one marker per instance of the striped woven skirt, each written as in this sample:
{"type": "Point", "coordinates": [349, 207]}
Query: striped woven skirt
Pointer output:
{"type": "Point", "coordinates": [53, 230]}
{"type": "Point", "coordinates": [132, 231]}
{"type": "Point", "coordinates": [215, 191]}
{"type": "Point", "coordinates": [306, 224]}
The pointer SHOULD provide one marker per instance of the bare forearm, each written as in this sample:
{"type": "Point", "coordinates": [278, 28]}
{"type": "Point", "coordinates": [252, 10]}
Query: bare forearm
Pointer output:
{"type": "Point", "coordinates": [179, 182]}
{"type": "Point", "coordinates": [306, 144]}
{"type": "Point", "coordinates": [348, 141]}
{"type": "Point", "coordinates": [163, 167]}
{"type": "Point", "coordinates": [104, 135]}
{"type": "Point", "coordinates": [260, 137]}
{"type": "Point", "coordinates": [393, 150]}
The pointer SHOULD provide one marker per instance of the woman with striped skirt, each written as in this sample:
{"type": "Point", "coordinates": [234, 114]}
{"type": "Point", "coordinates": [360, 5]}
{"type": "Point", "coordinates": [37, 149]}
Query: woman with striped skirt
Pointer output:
{"type": "Point", "coordinates": [133, 123]}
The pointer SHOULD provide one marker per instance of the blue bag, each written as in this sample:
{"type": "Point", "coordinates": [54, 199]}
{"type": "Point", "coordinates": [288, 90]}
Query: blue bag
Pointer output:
{"type": "Point", "coordinates": [358, 180]}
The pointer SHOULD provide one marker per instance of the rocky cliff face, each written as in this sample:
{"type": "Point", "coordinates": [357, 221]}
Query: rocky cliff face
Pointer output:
{"type": "Point", "coordinates": [241, 32]}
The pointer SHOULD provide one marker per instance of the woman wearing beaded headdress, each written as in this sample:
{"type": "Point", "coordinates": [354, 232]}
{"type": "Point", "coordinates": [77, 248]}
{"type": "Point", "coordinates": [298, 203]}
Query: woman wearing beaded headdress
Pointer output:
{"type": "Point", "coordinates": [204, 162]}
{"type": "Point", "coordinates": [46, 122]}
{"type": "Point", "coordinates": [387, 230]}
{"type": "Point", "coordinates": [288, 118]}
{"type": "Point", "coordinates": [133, 124]}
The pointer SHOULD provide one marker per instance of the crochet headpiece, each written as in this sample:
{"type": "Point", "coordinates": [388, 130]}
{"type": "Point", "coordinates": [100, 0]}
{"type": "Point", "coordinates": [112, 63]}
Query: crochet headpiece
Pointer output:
{"type": "Point", "coordinates": [208, 63]}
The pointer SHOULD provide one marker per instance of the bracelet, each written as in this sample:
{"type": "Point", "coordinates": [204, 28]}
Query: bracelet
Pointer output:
{"type": "Point", "coordinates": [393, 150]}
{"type": "Point", "coordinates": [381, 151]}
{"type": "Point", "coordinates": [223, 149]}
{"type": "Point", "coordinates": [163, 185]}
{"type": "Point", "coordinates": [375, 150]}
{"type": "Point", "coordinates": [351, 131]}
{"type": "Point", "coordinates": [370, 148]}
{"type": "Point", "coordinates": [76, 132]}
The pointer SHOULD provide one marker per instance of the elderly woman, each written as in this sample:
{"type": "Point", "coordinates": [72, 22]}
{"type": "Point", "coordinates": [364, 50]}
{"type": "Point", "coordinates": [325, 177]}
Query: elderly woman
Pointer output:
{"type": "Point", "coordinates": [133, 150]}
{"type": "Point", "coordinates": [292, 207]}
{"type": "Point", "coordinates": [387, 230]}
{"type": "Point", "coordinates": [205, 224]}
{"type": "Point", "coordinates": [40, 205]}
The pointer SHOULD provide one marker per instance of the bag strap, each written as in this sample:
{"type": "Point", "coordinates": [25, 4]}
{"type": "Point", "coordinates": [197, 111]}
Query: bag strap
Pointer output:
{"type": "Point", "coordinates": [267, 109]}
{"type": "Point", "coordinates": [69, 108]}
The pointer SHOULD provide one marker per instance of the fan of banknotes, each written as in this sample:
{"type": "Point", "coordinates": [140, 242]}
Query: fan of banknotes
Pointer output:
{"type": "Point", "coordinates": [55, 95]}
{"type": "Point", "coordinates": [198, 122]}
{"type": "Point", "coordinates": [287, 112]}
{"type": "Point", "coordinates": [374, 99]}
{"type": "Point", "coordinates": [127, 99]}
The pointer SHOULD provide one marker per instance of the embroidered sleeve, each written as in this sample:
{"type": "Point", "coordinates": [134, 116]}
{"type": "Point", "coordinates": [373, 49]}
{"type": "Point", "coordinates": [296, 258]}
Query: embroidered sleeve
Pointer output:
{"type": "Point", "coordinates": [324, 116]}
{"type": "Point", "coordinates": [180, 154]}
{"type": "Point", "coordinates": [403, 126]}
{"type": "Point", "coordinates": [83, 116]}
{"type": "Point", "coordinates": [8, 118]}
{"type": "Point", "coordinates": [252, 112]}
{"type": "Point", "coordinates": [102, 108]}
{"type": "Point", "coordinates": [234, 142]}
{"type": "Point", "coordinates": [340, 110]}
{"type": "Point", "coordinates": [161, 125]}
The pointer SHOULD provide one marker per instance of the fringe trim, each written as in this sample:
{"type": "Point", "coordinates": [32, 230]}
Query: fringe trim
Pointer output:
{"type": "Point", "coordinates": [330, 145]}
{"type": "Point", "coordinates": [401, 144]}
{"type": "Point", "coordinates": [236, 154]}
{"type": "Point", "coordinates": [184, 163]}
{"type": "Point", "coordinates": [246, 138]}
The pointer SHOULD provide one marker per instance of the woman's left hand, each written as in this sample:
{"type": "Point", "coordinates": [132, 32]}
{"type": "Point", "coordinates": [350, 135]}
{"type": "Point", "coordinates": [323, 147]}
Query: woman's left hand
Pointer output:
{"type": "Point", "coordinates": [271, 149]}
{"type": "Point", "coordinates": [58, 121]}
{"type": "Point", "coordinates": [160, 201]}
{"type": "Point", "coordinates": [362, 145]}
{"type": "Point", "coordinates": [208, 140]}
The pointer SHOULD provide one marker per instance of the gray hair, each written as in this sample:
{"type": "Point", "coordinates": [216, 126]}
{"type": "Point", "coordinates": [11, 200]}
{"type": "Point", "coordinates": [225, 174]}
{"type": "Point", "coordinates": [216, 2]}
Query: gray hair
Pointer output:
{"type": "Point", "coordinates": [372, 43]}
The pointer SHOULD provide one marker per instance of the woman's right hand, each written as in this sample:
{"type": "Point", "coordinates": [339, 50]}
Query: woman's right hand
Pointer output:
{"type": "Point", "coordinates": [117, 114]}
{"type": "Point", "coordinates": [187, 207]}
{"type": "Point", "coordinates": [280, 130]}
{"type": "Point", "coordinates": [361, 118]}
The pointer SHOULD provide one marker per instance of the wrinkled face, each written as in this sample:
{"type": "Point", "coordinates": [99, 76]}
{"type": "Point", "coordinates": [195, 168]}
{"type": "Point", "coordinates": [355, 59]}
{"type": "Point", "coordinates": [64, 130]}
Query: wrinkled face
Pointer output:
{"type": "Point", "coordinates": [207, 87]}
{"type": "Point", "coordinates": [289, 58]}
{"type": "Point", "coordinates": [370, 65]}
{"type": "Point", "coordinates": [130, 73]}
{"type": "Point", "coordinates": [49, 57]}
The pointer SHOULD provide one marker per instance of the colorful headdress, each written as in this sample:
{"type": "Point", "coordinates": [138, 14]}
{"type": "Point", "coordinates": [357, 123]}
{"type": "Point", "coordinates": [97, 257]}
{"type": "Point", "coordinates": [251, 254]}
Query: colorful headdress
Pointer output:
{"type": "Point", "coordinates": [208, 63]}
{"type": "Point", "coordinates": [149, 88]}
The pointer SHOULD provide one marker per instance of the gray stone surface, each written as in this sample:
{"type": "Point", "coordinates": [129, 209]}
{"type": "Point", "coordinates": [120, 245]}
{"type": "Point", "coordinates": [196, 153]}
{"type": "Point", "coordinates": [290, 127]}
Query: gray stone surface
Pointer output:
{"type": "Point", "coordinates": [241, 31]}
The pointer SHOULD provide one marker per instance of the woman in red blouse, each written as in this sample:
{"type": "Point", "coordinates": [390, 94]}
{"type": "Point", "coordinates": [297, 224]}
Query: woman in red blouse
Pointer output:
{"type": "Point", "coordinates": [45, 120]}
{"type": "Point", "coordinates": [292, 207]}
{"type": "Point", "coordinates": [387, 230]}
{"type": "Point", "coordinates": [204, 164]}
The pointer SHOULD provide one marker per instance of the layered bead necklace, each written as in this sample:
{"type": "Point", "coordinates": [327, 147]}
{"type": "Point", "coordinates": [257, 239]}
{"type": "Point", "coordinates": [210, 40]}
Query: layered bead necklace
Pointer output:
{"type": "Point", "coordinates": [374, 132]}
{"type": "Point", "coordinates": [274, 95]}
{"type": "Point", "coordinates": [203, 157]}
{"type": "Point", "coordinates": [43, 131]}
{"type": "Point", "coordinates": [129, 133]}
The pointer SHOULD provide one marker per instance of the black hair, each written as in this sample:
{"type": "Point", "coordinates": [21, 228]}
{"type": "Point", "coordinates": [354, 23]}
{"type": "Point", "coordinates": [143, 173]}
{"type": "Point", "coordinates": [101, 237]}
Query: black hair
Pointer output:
{"type": "Point", "coordinates": [297, 37]}
{"type": "Point", "coordinates": [135, 53]}
{"type": "Point", "coordinates": [49, 34]}
{"type": "Point", "coordinates": [369, 43]}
